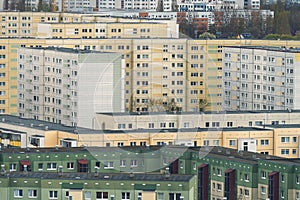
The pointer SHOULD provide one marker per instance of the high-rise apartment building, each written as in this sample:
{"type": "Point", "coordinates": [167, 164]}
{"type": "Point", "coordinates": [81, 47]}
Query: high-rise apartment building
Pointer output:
{"type": "Point", "coordinates": [68, 86]}
{"type": "Point", "coordinates": [199, 56]}
{"type": "Point", "coordinates": [260, 78]}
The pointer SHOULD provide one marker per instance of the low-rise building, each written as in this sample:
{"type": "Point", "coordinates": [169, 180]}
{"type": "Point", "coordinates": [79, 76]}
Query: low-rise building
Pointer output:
{"type": "Point", "coordinates": [278, 140]}
{"type": "Point", "coordinates": [165, 173]}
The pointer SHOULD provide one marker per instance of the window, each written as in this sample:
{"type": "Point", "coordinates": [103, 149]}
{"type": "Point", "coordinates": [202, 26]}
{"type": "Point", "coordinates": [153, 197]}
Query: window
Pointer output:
{"type": "Point", "coordinates": [160, 196]}
{"type": "Point", "coordinates": [12, 167]}
{"type": "Point", "coordinates": [163, 125]}
{"type": "Point", "coordinates": [108, 165]}
{"type": "Point", "coordinates": [132, 144]}
{"type": "Point", "coordinates": [216, 142]}
{"type": "Point", "coordinates": [133, 163]}
{"type": "Point", "coordinates": [294, 139]}
{"type": "Point", "coordinates": [82, 165]}
{"type": "Point", "coordinates": [246, 177]}
{"type": "Point", "coordinates": [70, 165]}
{"type": "Point", "coordinates": [40, 166]}
{"type": "Point", "coordinates": [285, 139]}
{"type": "Point", "coordinates": [87, 195]}
{"type": "Point", "coordinates": [282, 178]}
{"type": "Point", "coordinates": [219, 172]}
{"type": "Point", "coordinates": [32, 193]}
{"type": "Point", "coordinates": [51, 166]}
{"type": "Point", "coordinates": [264, 142]}
{"type": "Point", "coordinates": [263, 174]}
{"type": "Point", "coordinates": [206, 143]}
{"type": "Point", "coordinates": [246, 192]}
{"type": "Point", "coordinates": [219, 187]}
{"type": "Point", "coordinates": [263, 189]}
{"type": "Point", "coordinates": [171, 125]}
{"type": "Point", "coordinates": [231, 142]}
{"type": "Point", "coordinates": [121, 126]}
{"type": "Point", "coordinates": [186, 125]}
{"type": "Point", "coordinates": [151, 125]}
{"type": "Point", "coordinates": [18, 193]}
{"type": "Point", "coordinates": [101, 195]}
{"type": "Point", "coordinates": [122, 163]}
{"type": "Point", "coordinates": [53, 194]}
{"type": "Point", "coordinates": [125, 195]}
{"type": "Point", "coordinates": [285, 151]}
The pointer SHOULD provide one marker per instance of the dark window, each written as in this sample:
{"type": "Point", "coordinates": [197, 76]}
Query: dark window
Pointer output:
{"type": "Point", "coordinates": [83, 165]}
{"type": "Point", "coordinates": [273, 185]}
{"type": "Point", "coordinates": [230, 185]}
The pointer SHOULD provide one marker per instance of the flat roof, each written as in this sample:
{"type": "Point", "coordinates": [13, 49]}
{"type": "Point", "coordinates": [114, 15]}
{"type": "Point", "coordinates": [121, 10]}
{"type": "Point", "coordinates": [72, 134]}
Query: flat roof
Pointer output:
{"type": "Point", "coordinates": [217, 152]}
{"type": "Point", "coordinates": [268, 48]}
{"type": "Point", "coordinates": [70, 50]}
{"type": "Point", "coordinates": [199, 113]}
{"type": "Point", "coordinates": [95, 23]}
{"type": "Point", "coordinates": [101, 176]}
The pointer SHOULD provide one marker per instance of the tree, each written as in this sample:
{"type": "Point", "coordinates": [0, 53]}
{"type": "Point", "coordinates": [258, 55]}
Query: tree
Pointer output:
{"type": "Point", "coordinates": [187, 28]}
{"type": "Point", "coordinates": [160, 6]}
{"type": "Point", "coordinates": [207, 35]}
{"type": "Point", "coordinates": [282, 25]}
{"type": "Point", "coordinates": [294, 18]}
{"type": "Point", "coordinates": [202, 105]}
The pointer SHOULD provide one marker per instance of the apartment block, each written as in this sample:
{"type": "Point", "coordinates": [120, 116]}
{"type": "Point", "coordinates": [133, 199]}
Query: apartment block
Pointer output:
{"type": "Point", "coordinates": [197, 56]}
{"type": "Point", "coordinates": [106, 30]}
{"type": "Point", "coordinates": [260, 78]}
{"type": "Point", "coordinates": [229, 119]}
{"type": "Point", "coordinates": [175, 173]}
{"type": "Point", "coordinates": [68, 86]}
{"type": "Point", "coordinates": [278, 140]}
{"type": "Point", "coordinates": [73, 25]}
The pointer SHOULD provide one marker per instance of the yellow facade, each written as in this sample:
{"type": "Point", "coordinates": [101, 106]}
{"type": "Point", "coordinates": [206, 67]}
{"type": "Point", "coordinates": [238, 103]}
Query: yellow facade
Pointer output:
{"type": "Point", "coordinates": [31, 24]}
{"type": "Point", "coordinates": [200, 138]}
{"type": "Point", "coordinates": [163, 60]}
{"type": "Point", "coordinates": [103, 30]}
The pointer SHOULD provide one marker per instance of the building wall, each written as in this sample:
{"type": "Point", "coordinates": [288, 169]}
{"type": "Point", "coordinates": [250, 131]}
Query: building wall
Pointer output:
{"type": "Point", "coordinates": [212, 66]}
{"type": "Point", "coordinates": [68, 87]}
{"type": "Point", "coordinates": [124, 121]}
{"type": "Point", "coordinates": [259, 79]}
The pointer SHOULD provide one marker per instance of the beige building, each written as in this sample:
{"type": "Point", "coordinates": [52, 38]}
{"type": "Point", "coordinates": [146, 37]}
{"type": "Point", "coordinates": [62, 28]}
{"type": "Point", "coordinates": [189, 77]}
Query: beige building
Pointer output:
{"type": "Point", "coordinates": [73, 25]}
{"type": "Point", "coordinates": [179, 120]}
{"type": "Point", "coordinates": [105, 30]}
{"type": "Point", "coordinates": [165, 69]}
{"type": "Point", "coordinates": [278, 140]}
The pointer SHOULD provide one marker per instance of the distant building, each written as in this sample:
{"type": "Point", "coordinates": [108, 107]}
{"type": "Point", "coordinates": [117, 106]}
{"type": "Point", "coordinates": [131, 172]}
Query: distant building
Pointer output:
{"type": "Point", "coordinates": [69, 86]}
{"type": "Point", "coordinates": [260, 78]}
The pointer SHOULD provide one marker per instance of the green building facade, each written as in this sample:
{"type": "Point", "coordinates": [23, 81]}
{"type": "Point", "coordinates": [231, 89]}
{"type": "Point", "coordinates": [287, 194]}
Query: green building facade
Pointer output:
{"type": "Point", "coordinates": [156, 172]}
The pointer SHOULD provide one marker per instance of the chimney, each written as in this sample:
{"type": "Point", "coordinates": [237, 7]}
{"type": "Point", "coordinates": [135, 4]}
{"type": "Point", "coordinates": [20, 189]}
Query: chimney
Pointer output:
{"type": "Point", "coordinates": [3, 171]}
{"type": "Point", "coordinates": [96, 174]}
{"type": "Point", "coordinates": [60, 171]}
{"type": "Point", "coordinates": [131, 175]}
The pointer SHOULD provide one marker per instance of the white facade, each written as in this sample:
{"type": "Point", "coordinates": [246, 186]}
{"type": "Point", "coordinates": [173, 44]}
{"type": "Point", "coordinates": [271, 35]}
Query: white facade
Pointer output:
{"type": "Point", "coordinates": [260, 78]}
{"type": "Point", "coordinates": [68, 86]}
{"type": "Point", "coordinates": [182, 120]}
